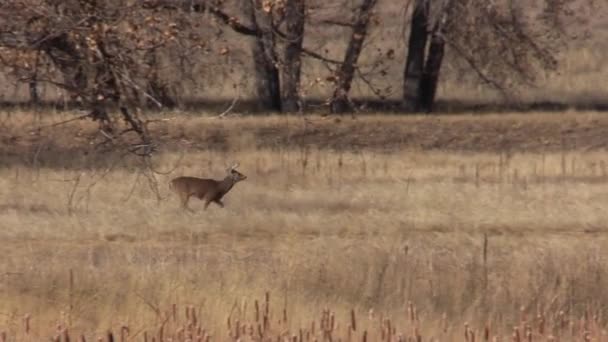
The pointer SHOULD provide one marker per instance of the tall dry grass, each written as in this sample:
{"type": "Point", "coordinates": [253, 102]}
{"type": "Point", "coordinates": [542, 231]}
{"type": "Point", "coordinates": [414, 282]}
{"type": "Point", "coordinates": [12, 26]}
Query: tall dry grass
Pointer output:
{"type": "Point", "coordinates": [498, 241]}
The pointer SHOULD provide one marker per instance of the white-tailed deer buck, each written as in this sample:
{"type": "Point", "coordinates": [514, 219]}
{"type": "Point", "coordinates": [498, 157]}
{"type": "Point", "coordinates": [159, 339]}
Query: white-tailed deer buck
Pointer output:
{"type": "Point", "coordinates": [208, 190]}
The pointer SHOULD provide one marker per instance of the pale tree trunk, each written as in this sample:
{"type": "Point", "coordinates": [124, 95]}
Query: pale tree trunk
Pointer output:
{"type": "Point", "coordinates": [267, 81]}
{"type": "Point", "coordinates": [295, 11]}
{"type": "Point", "coordinates": [340, 102]}
{"type": "Point", "coordinates": [414, 64]}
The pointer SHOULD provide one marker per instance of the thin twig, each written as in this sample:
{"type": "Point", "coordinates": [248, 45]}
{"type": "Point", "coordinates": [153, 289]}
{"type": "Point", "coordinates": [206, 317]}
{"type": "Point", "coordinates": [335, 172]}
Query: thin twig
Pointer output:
{"type": "Point", "coordinates": [62, 122]}
{"type": "Point", "coordinates": [234, 101]}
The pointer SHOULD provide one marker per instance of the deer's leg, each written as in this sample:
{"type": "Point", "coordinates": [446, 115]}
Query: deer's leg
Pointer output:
{"type": "Point", "coordinates": [219, 202]}
{"type": "Point", "coordinates": [210, 197]}
{"type": "Point", "coordinates": [185, 198]}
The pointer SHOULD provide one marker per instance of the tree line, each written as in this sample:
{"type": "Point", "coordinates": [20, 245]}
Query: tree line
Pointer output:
{"type": "Point", "coordinates": [131, 54]}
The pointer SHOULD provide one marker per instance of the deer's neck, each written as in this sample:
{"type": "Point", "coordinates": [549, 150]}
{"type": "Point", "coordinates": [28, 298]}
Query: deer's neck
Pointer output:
{"type": "Point", "coordinates": [226, 185]}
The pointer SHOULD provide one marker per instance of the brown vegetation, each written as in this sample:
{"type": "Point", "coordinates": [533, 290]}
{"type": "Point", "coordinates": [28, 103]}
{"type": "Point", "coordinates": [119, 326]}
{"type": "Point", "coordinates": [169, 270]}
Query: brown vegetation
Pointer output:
{"type": "Point", "coordinates": [379, 227]}
{"type": "Point", "coordinates": [500, 133]}
{"type": "Point", "coordinates": [499, 240]}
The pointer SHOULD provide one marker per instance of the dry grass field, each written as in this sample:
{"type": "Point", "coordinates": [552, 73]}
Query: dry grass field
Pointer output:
{"type": "Point", "coordinates": [381, 228]}
{"type": "Point", "coordinates": [467, 228]}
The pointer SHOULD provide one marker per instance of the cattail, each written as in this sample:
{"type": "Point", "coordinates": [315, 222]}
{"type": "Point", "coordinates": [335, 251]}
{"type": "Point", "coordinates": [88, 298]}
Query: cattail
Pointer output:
{"type": "Point", "coordinates": [410, 311]}
{"type": "Point", "coordinates": [364, 335]}
{"type": "Point", "coordinates": [267, 305]}
{"type": "Point", "coordinates": [194, 318]}
{"type": "Point", "coordinates": [562, 321]}
{"type": "Point", "coordinates": [124, 333]}
{"type": "Point", "coordinates": [66, 335]}
{"type": "Point", "coordinates": [257, 311]}
{"type": "Point", "coordinates": [174, 312]}
{"type": "Point", "coordinates": [111, 336]}
{"type": "Point", "coordinates": [353, 320]}
{"type": "Point", "coordinates": [516, 335]}
{"type": "Point", "coordinates": [237, 329]}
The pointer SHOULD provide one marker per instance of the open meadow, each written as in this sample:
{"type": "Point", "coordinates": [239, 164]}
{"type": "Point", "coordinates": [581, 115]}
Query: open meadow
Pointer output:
{"type": "Point", "coordinates": [352, 233]}
{"type": "Point", "coordinates": [484, 221]}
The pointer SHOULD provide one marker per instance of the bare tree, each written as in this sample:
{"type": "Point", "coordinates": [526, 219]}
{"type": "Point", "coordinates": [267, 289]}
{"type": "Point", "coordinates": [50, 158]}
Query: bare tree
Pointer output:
{"type": "Point", "coordinates": [416, 51]}
{"type": "Point", "coordinates": [340, 102]}
{"type": "Point", "coordinates": [102, 53]}
{"type": "Point", "coordinates": [267, 78]}
{"type": "Point", "coordinates": [500, 41]}
{"type": "Point", "coordinates": [295, 17]}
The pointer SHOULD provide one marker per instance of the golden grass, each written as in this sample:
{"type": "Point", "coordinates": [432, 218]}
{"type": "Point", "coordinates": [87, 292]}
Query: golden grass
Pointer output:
{"type": "Point", "coordinates": [91, 243]}
{"type": "Point", "coordinates": [346, 231]}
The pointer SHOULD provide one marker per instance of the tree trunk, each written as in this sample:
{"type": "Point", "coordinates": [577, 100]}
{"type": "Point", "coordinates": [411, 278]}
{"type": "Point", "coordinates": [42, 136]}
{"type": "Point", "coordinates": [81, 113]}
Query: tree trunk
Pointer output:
{"type": "Point", "coordinates": [430, 77]}
{"type": "Point", "coordinates": [340, 102]}
{"type": "Point", "coordinates": [295, 11]}
{"type": "Point", "coordinates": [268, 85]}
{"type": "Point", "coordinates": [33, 86]}
{"type": "Point", "coordinates": [414, 65]}
{"type": "Point", "coordinates": [156, 87]}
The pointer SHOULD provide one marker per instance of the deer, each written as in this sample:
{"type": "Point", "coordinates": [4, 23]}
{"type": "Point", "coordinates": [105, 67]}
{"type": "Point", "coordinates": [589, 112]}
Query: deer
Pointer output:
{"type": "Point", "coordinates": [208, 190]}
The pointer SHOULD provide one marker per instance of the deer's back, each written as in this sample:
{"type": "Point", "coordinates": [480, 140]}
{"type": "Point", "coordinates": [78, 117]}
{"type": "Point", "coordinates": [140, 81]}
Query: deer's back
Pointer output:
{"type": "Point", "coordinates": [193, 185]}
